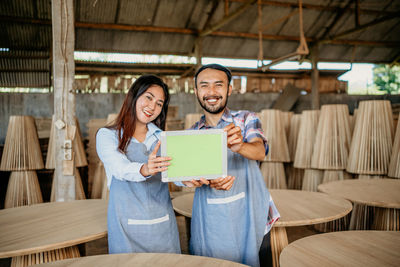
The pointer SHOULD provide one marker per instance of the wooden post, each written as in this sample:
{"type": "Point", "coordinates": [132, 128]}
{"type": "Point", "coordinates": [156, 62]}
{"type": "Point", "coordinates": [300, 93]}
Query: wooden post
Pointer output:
{"type": "Point", "coordinates": [64, 98]}
{"type": "Point", "coordinates": [314, 78]}
{"type": "Point", "coordinates": [198, 50]}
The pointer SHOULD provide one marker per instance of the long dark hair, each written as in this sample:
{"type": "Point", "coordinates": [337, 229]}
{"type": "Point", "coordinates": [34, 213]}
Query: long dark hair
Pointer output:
{"type": "Point", "coordinates": [126, 120]}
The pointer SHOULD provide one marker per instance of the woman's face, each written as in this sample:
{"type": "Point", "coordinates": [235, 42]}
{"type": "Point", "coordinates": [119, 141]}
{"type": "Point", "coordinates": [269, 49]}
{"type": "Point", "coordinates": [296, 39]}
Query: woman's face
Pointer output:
{"type": "Point", "coordinates": [149, 104]}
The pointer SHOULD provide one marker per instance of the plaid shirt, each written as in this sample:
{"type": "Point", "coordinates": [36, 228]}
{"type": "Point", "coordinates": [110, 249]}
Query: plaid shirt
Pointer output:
{"type": "Point", "coordinates": [248, 122]}
{"type": "Point", "coordinates": [251, 128]}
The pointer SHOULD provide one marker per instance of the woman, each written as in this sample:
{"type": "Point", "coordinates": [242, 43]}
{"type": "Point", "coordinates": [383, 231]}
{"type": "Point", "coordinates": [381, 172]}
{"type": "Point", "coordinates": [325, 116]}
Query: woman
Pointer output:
{"type": "Point", "coordinates": [140, 213]}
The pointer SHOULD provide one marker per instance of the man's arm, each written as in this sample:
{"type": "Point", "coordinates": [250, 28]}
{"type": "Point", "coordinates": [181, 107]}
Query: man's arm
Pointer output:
{"type": "Point", "coordinates": [254, 149]}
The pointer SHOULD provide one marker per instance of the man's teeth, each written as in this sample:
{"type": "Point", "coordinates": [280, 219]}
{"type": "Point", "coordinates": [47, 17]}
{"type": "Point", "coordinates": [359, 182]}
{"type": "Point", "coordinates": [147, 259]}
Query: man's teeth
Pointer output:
{"type": "Point", "coordinates": [212, 100]}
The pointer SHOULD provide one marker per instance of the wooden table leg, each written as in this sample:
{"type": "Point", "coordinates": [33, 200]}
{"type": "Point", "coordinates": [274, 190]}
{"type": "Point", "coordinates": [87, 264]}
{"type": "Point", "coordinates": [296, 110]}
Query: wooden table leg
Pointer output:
{"type": "Point", "coordinates": [361, 217]}
{"type": "Point", "coordinates": [386, 219]}
{"type": "Point", "coordinates": [47, 256]}
{"type": "Point", "coordinates": [279, 241]}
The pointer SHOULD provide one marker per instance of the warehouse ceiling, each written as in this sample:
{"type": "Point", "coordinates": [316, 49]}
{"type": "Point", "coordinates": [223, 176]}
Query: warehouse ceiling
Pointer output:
{"type": "Point", "coordinates": [346, 31]}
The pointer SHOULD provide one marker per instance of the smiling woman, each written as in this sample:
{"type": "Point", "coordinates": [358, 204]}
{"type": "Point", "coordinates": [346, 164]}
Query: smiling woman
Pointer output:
{"type": "Point", "coordinates": [140, 214]}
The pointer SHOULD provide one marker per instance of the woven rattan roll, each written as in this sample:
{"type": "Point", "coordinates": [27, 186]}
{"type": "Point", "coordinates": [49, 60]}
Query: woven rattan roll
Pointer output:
{"type": "Point", "coordinates": [332, 142]}
{"type": "Point", "coordinates": [294, 177]}
{"type": "Point", "coordinates": [312, 178]}
{"type": "Point", "coordinates": [21, 149]}
{"type": "Point", "coordinates": [78, 148]}
{"type": "Point", "coordinates": [372, 139]}
{"type": "Point", "coordinates": [293, 134]}
{"type": "Point", "coordinates": [79, 192]}
{"type": "Point", "coordinates": [274, 175]}
{"type": "Point", "coordinates": [191, 119]}
{"type": "Point", "coordinates": [394, 166]}
{"type": "Point", "coordinates": [274, 131]}
{"type": "Point", "coordinates": [306, 139]}
{"type": "Point", "coordinates": [23, 189]}
{"type": "Point", "coordinates": [330, 176]}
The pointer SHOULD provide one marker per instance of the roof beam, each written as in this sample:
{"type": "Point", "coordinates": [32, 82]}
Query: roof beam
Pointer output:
{"type": "Point", "coordinates": [359, 28]}
{"type": "Point", "coordinates": [123, 27]}
{"type": "Point", "coordinates": [320, 7]}
{"type": "Point", "coordinates": [227, 19]}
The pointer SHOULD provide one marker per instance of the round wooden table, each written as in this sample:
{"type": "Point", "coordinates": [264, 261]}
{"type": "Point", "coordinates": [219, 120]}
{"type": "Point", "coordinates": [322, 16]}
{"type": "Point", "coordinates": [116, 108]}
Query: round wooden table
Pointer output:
{"type": "Point", "coordinates": [346, 248]}
{"type": "Point", "coordinates": [297, 208]}
{"type": "Point", "coordinates": [49, 226]}
{"type": "Point", "coordinates": [376, 202]}
{"type": "Point", "coordinates": [143, 259]}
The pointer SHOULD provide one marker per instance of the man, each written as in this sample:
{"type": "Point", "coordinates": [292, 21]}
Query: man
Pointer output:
{"type": "Point", "coordinates": [231, 216]}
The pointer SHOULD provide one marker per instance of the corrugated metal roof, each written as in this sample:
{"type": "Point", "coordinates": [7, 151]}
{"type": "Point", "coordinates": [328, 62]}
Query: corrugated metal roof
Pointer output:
{"type": "Point", "coordinates": [172, 26]}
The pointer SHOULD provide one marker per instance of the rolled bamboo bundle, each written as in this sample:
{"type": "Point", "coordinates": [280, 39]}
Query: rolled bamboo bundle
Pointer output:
{"type": "Point", "coordinates": [99, 180]}
{"type": "Point", "coordinates": [78, 148]}
{"type": "Point", "coordinates": [47, 256]}
{"type": "Point", "coordinates": [271, 120]}
{"type": "Point", "coordinates": [366, 176]}
{"type": "Point", "coordinates": [286, 118]}
{"type": "Point", "coordinates": [352, 120]}
{"type": "Point", "coordinates": [191, 119]}
{"type": "Point", "coordinates": [93, 126]}
{"type": "Point", "coordinates": [341, 224]}
{"type": "Point", "coordinates": [105, 192]}
{"type": "Point", "coordinates": [293, 135]}
{"type": "Point", "coordinates": [274, 175]}
{"type": "Point", "coordinates": [111, 118]}
{"type": "Point", "coordinates": [79, 191]}
{"type": "Point", "coordinates": [330, 176]}
{"type": "Point", "coordinates": [394, 166]}
{"type": "Point", "coordinates": [332, 141]}
{"type": "Point", "coordinates": [361, 217]}
{"type": "Point", "coordinates": [371, 144]}
{"type": "Point", "coordinates": [306, 139]}
{"type": "Point", "coordinates": [21, 149]}
{"type": "Point", "coordinates": [294, 177]}
{"type": "Point", "coordinates": [386, 219]}
{"type": "Point", "coordinates": [312, 178]}
{"type": "Point", "coordinates": [23, 189]}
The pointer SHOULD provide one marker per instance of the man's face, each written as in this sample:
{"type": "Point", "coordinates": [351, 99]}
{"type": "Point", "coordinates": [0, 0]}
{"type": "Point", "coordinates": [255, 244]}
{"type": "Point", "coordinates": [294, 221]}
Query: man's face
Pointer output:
{"type": "Point", "coordinates": [213, 90]}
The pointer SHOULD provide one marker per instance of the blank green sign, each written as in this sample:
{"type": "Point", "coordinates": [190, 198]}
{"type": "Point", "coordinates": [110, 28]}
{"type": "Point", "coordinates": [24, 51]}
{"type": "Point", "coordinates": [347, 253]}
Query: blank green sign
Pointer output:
{"type": "Point", "coordinates": [194, 155]}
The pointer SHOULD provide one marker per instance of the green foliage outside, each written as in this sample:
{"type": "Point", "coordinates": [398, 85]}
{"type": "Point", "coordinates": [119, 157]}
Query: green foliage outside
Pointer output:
{"type": "Point", "coordinates": [387, 78]}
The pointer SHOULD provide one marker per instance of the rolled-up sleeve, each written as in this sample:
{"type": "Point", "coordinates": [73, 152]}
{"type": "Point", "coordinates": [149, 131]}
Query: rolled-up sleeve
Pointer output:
{"type": "Point", "coordinates": [116, 164]}
{"type": "Point", "coordinates": [253, 129]}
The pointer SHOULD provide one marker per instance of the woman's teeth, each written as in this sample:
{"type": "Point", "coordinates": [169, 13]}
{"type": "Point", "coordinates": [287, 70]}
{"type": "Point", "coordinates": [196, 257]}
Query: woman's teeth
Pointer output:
{"type": "Point", "coordinates": [148, 114]}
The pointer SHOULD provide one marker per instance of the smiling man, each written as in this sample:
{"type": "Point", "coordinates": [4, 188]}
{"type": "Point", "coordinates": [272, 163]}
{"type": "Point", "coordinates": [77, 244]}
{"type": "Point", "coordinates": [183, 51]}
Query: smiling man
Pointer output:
{"type": "Point", "coordinates": [232, 217]}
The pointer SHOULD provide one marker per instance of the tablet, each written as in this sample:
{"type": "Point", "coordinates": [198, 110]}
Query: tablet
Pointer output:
{"type": "Point", "coordinates": [195, 154]}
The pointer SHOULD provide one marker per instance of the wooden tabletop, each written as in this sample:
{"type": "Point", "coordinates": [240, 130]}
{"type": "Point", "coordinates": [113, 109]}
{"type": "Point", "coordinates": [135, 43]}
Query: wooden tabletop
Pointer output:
{"type": "Point", "coordinates": [296, 207]}
{"type": "Point", "coordinates": [47, 226]}
{"type": "Point", "coordinates": [143, 259]}
{"type": "Point", "coordinates": [384, 193]}
{"type": "Point", "coordinates": [347, 248]}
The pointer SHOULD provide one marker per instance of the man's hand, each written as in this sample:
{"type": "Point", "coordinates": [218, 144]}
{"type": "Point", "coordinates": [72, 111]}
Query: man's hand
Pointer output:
{"type": "Point", "coordinates": [155, 164]}
{"type": "Point", "coordinates": [234, 137]}
{"type": "Point", "coordinates": [196, 183]}
{"type": "Point", "coordinates": [222, 183]}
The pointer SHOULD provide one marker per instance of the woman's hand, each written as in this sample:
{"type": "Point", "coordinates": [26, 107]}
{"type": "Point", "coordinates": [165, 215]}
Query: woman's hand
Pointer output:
{"type": "Point", "coordinates": [155, 164]}
{"type": "Point", "coordinates": [222, 183]}
{"type": "Point", "coordinates": [196, 183]}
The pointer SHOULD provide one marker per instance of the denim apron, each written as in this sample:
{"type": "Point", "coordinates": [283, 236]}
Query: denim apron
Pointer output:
{"type": "Point", "coordinates": [140, 214]}
{"type": "Point", "coordinates": [231, 224]}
